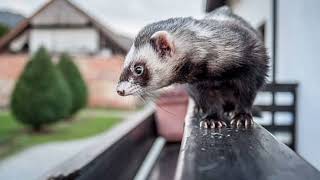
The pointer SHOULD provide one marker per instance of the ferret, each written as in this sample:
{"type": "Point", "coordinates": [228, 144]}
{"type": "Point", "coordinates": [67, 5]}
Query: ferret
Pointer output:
{"type": "Point", "coordinates": [221, 60]}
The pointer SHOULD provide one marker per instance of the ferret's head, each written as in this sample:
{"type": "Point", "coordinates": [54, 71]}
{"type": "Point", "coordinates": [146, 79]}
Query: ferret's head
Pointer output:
{"type": "Point", "coordinates": [150, 63]}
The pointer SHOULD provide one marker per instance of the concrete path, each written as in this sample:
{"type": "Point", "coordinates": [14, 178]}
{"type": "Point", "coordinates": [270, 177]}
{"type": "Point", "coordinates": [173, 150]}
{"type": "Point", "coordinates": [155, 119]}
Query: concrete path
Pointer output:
{"type": "Point", "coordinates": [37, 160]}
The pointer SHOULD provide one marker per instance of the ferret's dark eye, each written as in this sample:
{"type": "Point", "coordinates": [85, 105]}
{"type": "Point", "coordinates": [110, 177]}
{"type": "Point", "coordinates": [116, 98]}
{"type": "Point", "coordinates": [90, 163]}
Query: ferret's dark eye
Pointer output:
{"type": "Point", "coordinates": [138, 70]}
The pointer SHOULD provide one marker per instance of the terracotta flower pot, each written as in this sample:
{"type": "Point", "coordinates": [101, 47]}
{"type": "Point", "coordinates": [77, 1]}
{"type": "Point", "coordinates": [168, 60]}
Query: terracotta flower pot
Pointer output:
{"type": "Point", "coordinates": [170, 113]}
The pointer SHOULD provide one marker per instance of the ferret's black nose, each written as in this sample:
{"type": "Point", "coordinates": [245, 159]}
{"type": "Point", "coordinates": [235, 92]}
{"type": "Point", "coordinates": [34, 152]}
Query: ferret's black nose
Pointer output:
{"type": "Point", "coordinates": [121, 92]}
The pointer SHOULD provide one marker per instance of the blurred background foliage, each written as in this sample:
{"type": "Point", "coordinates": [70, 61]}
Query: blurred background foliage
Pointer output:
{"type": "Point", "coordinates": [42, 95]}
{"type": "Point", "coordinates": [76, 84]}
{"type": "Point", "coordinates": [3, 30]}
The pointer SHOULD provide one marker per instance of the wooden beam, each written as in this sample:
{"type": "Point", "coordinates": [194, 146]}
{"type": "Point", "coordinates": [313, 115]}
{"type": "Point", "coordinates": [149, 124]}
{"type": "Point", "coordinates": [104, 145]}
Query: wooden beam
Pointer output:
{"type": "Point", "coordinates": [238, 154]}
{"type": "Point", "coordinates": [118, 156]}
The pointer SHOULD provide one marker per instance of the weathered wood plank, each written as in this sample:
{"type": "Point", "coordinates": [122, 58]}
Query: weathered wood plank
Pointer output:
{"type": "Point", "coordinates": [238, 154]}
{"type": "Point", "coordinates": [165, 166]}
{"type": "Point", "coordinates": [117, 157]}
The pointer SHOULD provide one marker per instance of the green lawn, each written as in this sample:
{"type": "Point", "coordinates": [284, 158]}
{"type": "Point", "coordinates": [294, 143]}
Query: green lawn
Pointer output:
{"type": "Point", "coordinates": [15, 137]}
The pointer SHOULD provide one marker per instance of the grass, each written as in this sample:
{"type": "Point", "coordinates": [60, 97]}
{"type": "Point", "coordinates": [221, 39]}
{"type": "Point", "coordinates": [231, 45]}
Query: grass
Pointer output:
{"type": "Point", "coordinates": [15, 137]}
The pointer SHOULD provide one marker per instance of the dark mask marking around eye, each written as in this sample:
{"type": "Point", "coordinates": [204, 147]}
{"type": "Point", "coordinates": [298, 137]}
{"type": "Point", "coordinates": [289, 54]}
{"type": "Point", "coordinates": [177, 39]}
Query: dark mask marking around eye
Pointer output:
{"type": "Point", "coordinates": [143, 79]}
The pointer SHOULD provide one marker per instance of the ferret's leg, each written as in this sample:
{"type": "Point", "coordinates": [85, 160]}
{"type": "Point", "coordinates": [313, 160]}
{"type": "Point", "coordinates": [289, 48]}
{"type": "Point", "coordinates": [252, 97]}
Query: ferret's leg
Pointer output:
{"type": "Point", "coordinates": [243, 113]}
{"type": "Point", "coordinates": [213, 115]}
{"type": "Point", "coordinates": [242, 119]}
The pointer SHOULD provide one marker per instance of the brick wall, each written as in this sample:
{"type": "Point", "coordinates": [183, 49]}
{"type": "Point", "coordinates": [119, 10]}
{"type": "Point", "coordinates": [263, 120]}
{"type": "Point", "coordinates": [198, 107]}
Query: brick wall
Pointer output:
{"type": "Point", "coordinates": [100, 73]}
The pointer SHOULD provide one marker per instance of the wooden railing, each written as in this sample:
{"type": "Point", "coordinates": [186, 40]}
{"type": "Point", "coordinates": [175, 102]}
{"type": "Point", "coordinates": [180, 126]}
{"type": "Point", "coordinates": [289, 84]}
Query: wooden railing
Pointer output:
{"type": "Point", "coordinates": [238, 154]}
{"type": "Point", "coordinates": [119, 156]}
{"type": "Point", "coordinates": [134, 150]}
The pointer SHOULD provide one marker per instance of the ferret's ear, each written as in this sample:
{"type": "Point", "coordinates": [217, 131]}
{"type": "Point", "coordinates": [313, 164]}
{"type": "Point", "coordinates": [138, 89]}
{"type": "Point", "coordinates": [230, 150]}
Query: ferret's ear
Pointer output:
{"type": "Point", "coordinates": [162, 42]}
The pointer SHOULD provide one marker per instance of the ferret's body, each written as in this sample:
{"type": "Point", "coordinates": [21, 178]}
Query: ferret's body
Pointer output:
{"type": "Point", "coordinates": [221, 59]}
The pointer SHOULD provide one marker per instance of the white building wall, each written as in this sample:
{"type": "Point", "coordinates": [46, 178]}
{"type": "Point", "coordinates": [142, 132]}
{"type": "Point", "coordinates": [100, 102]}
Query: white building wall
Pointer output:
{"type": "Point", "coordinates": [298, 60]}
{"type": "Point", "coordinates": [82, 40]}
{"type": "Point", "coordinates": [59, 12]}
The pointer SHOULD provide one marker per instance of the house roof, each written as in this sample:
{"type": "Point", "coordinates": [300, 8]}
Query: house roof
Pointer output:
{"type": "Point", "coordinates": [123, 43]}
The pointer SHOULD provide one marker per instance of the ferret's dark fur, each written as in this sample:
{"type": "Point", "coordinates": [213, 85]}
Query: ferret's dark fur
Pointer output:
{"type": "Point", "coordinates": [224, 65]}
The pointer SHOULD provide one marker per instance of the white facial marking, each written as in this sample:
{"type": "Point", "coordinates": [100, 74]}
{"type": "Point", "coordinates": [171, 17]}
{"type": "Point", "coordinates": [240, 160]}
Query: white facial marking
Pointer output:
{"type": "Point", "coordinates": [124, 85]}
{"type": "Point", "coordinates": [128, 88]}
{"type": "Point", "coordinates": [129, 56]}
{"type": "Point", "coordinates": [160, 70]}
{"type": "Point", "coordinates": [147, 53]}
{"type": "Point", "coordinates": [131, 80]}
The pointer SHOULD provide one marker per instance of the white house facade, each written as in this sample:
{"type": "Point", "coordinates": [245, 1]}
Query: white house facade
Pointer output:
{"type": "Point", "coordinates": [60, 26]}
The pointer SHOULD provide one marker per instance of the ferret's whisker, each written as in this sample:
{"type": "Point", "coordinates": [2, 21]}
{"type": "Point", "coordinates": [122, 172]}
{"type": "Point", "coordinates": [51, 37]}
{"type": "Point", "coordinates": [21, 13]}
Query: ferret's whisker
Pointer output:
{"type": "Point", "coordinates": [142, 99]}
{"type": "Point", "coordinates": [165, 110]}
{"type": "Point", "coordinates": [162, 108]}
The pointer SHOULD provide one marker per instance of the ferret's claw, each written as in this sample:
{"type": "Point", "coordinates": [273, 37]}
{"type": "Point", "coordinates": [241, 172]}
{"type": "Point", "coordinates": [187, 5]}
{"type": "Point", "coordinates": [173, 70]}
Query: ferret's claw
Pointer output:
{"type": "Point", "coordinates": [242, 120]}
{"type": "Point", "coordinates": [238, 124]}
{"type": "Point", "coordinates": [248, 123]}
{"type": "Point", "coordinates": [212, 124]}
{"type": "Point", "coordinates": [232, 123]}
{"type": "Point", "coordinates": [224, 124]}
{"type": "Point", "coordinates": [204, 124]}
{"type": "Point", "coordinates": [219, 124]}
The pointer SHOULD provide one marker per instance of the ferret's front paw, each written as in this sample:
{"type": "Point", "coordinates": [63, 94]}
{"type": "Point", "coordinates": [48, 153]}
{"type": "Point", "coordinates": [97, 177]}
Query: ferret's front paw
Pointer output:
{"type": "Point", "coordinates": [212, 124]}
{"type": "Point", "coordinates": [242, 120]}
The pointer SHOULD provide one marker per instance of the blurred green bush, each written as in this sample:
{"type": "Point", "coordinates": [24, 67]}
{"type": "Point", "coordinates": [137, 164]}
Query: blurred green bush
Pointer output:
{"type": "Point", "coordinates": [41, 95]}
{"type": "Point", "coordinates": [72, 75]}
{"type": "Point", "coordinates": [3, 30]}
